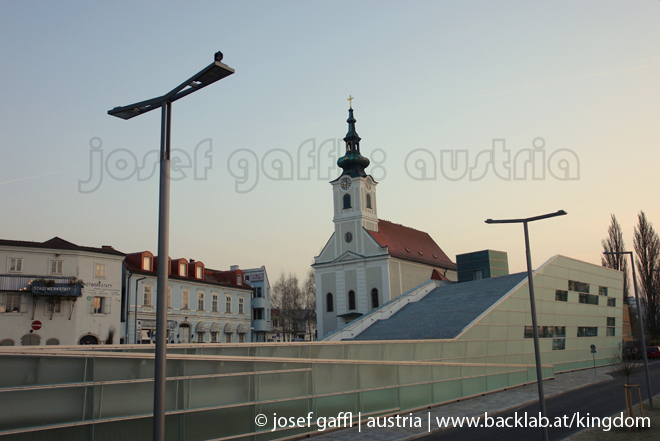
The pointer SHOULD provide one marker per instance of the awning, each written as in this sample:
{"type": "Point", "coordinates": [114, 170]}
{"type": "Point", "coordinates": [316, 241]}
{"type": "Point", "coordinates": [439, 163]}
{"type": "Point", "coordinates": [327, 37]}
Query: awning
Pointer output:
{"type": "Point", "coordinates": [243, 329]}
{"type": "Point", "coordinates": [229, 328]}
{"type": "Point", "coordinates": [202, 327]}
{"type": "Point", "coordinates": [216, 327]}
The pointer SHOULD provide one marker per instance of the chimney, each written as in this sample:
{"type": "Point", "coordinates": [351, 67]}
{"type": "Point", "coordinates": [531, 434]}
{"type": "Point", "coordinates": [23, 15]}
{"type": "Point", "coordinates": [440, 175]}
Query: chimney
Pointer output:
{"type": "Point", "coordinates": [107, 247]}
{"type": "Point", "coordinates": [233, 268]}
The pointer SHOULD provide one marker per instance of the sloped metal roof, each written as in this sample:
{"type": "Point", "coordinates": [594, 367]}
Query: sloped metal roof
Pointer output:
{"type": "Point", "coordinates": [444, 312]}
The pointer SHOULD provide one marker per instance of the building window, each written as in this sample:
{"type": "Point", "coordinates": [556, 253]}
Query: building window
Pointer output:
{"type": "Point", "coordinates": [241, 338]}
{"type": "Point", "coordinates": [241, 310]}
{"type": "Point", "coordinates": [10, 303]}
{"type": "Point", "coordinates": [257, 314]}
{"type": "Point", "coordinates": [351, 300]}
{"type": "Point", "coordinates": [200, 301]}
{"type": "Point", "coordinates": [374, 298]}
{"type": "Point", "coordinates": [611, 301]}
{"type": "Point", "coordinates": [257, 292]}
{"type": "Point", "coordinates": [478, 274]}
{"type": "Point", "coordinates": [558, 344]}
{"type": "Point", "coordinates": [101, 305]}
{"type": "Point", "coordinates": [546, 331]}
{"type": "Point", "coordinates": [54, 307]}
{"type": "Point", "coordinates": [214, 303]}
{"type": "Point", "coordinates": [7, 342]}
{"type": "Point", "coordinates": [347, 201]}
{"type": "Point", "coordinates": [348, 237]}
{"type": "Point", "coordinates": [198, 272]}
{"type": "Point", "coordinates": [185, 296]}
{"type": "Point", "coordinates": [368, 201]}
{"type": "Point", "coordinates": [611, 323]}
{"type": "Point", "coordinates": [578, 286]}
{"type": "Point", "coordinates": [602, 290]}
{"type": "Point", "coordinates": [227, 338]}
{"type": "Point", "coordinates": [15, 265]}
{"type": "Point", "coordinates": [239, 279]}
{"type": "Point", "coordinates": [587, 331]}
{"type": "Point", "coordinates": [30, 340]}
{"type": "Point", "coordinates": [182, 269]}
{"type": "Point", "coordinates": [561, 296]}
{"type": "Point", "coordinates": [588, 299]}
{"type": "Point", "coordinates": [146, 295]}
{"type": "Point", "coordinates": [328, 303]}
{"type": "Point", "coordinates": [146, 263]}
{"type": "Point", "coordinates": [52, 342]}
{"type": "Point", "coordinates": [228, 304]}
{"type": "Point", "coordinates": [99, 271]}
{"type": "Point", "coordinates": [169, 297]}
{"type": "Point", "coordinates": [214, 337]}
{"type": "Point", "coordinates": [56, 266]}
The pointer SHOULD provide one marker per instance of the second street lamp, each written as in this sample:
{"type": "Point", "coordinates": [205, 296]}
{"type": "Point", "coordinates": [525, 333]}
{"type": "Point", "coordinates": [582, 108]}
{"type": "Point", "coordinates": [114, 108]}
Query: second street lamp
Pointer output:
{"type": "Point", "coordinates": [532, 301]}
{"type": "Point", "coordinates": [209, 75]}
{"type": "Point", "coordinates": [640, 320]}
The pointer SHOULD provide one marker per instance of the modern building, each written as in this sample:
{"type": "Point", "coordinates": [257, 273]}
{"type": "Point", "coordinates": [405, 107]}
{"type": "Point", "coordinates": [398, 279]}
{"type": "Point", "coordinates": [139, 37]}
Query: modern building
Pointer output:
{"type": "Point", "coordinates": [203, 305]}
{"type": "Point", "coordinates": [368, 261]}
{"type": "Point", "coordinates": [261, 311]}
{"type": "Point", "coordinates": [59, 293]}
{"type": "Point", "coordinates": [489, 320]}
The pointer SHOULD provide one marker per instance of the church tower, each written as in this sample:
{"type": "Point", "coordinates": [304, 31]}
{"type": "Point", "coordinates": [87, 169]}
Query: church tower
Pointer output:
{"type": "Point", "coordinates": [354, 194]}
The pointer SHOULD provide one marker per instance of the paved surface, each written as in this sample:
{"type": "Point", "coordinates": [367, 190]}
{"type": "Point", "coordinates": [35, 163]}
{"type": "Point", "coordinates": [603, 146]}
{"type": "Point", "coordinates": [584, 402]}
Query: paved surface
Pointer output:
{"type": "Point", "coordinates": [493, 403]}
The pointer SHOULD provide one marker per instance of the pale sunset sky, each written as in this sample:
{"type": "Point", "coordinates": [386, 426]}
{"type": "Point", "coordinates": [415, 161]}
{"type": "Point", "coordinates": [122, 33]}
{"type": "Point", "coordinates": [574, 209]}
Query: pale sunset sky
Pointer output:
{"type": "Point", "coordinates": [572, 85]}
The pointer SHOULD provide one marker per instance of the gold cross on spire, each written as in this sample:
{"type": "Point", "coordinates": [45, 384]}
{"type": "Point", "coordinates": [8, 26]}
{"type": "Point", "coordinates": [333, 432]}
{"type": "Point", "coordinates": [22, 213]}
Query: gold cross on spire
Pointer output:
{"type": "Point", "coordinates": [350, 101]}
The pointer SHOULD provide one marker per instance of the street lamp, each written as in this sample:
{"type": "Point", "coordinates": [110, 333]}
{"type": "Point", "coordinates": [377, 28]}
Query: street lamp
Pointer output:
{"type": "Point", "coordinates": [209, 75]}
{"type": "Point", "coordinates": [640, 320]}
{"type": "Point", "coordinates": [532, 302]}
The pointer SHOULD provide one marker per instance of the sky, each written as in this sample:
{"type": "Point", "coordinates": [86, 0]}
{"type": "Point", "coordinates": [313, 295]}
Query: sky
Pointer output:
{"type": "Point", "coordinates": [451, 100]}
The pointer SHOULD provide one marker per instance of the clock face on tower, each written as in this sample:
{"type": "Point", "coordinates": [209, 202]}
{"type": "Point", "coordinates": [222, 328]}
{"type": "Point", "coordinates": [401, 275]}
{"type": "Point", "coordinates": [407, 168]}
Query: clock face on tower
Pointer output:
{"type": "Point", "coordinates": [346, 184]}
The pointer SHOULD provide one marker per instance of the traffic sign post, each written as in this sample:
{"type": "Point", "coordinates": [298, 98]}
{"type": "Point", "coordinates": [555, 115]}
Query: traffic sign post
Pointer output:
{"type": "Point", "coordinates": [593, 354]}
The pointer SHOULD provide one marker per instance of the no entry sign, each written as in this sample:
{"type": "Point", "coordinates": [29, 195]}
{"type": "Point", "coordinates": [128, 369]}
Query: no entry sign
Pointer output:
{"type": "Point", "coordinates": [36, 325]}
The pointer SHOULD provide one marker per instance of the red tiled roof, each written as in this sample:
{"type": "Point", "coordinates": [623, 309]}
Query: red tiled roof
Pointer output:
{"type": "Point", "coordinates": [435, 275]}
{"type": "Point", "coordinates": [410, 244]}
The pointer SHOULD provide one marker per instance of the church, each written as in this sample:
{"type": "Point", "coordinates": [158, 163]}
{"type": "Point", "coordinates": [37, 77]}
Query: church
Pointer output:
{"type": "Point", "coordinates": [368, 261]}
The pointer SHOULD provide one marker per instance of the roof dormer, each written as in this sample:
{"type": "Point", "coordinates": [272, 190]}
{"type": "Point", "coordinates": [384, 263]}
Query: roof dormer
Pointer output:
{"type": "Point", "coordinates": [180, 267]}
{"type": "Point", "coordinates": [196, 270]}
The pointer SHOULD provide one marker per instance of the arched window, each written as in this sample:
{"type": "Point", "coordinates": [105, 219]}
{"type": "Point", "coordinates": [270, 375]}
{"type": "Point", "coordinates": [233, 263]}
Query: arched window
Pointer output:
{"type": "Point", "coordinates": [52, 341]}
{"type": "Point", "coordinates": [351, 300]}
{"type": "Point", "coordinates": [7, 342]}
{"type": "Point", "coordinates": [368, 201]}
{"type": "Point", "coordinates": [30, 340]}
{"type": "Point", "coordinates": [328, 302]}
{"type": "Point", "coordinates": [347, 201]}
{"type": "Point", "coordinates": [374, 298]}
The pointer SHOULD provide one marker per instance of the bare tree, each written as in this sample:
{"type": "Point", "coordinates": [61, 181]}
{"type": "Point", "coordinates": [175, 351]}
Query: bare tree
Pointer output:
{"type": "Point", "coordinates": [647, 248]}
{"type": "Point", "coordinates": [614, 243]}
{"type": "Point", "coordinates": [297, 305]}
{"type": "Point", "coordinates": [622, 364]}
{"type": "Point", "coordinates": [285, 295]}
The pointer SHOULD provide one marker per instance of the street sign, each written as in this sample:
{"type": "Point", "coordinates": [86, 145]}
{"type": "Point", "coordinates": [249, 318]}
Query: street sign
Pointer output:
{"type": "Point", "coordinates": [593, 349]}
{"type": "Point", "coordinates": [36, 325]}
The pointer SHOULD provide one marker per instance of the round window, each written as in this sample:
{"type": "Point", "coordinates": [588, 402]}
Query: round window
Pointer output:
{"type": "Point", "coordinates": [349, 237]}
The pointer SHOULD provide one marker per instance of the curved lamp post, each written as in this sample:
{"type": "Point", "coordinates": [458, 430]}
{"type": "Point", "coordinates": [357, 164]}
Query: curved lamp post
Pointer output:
{"type": "Point", "coordinates": [209, 75]}
{"type": "Point", "coordinates": [530, 282]}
